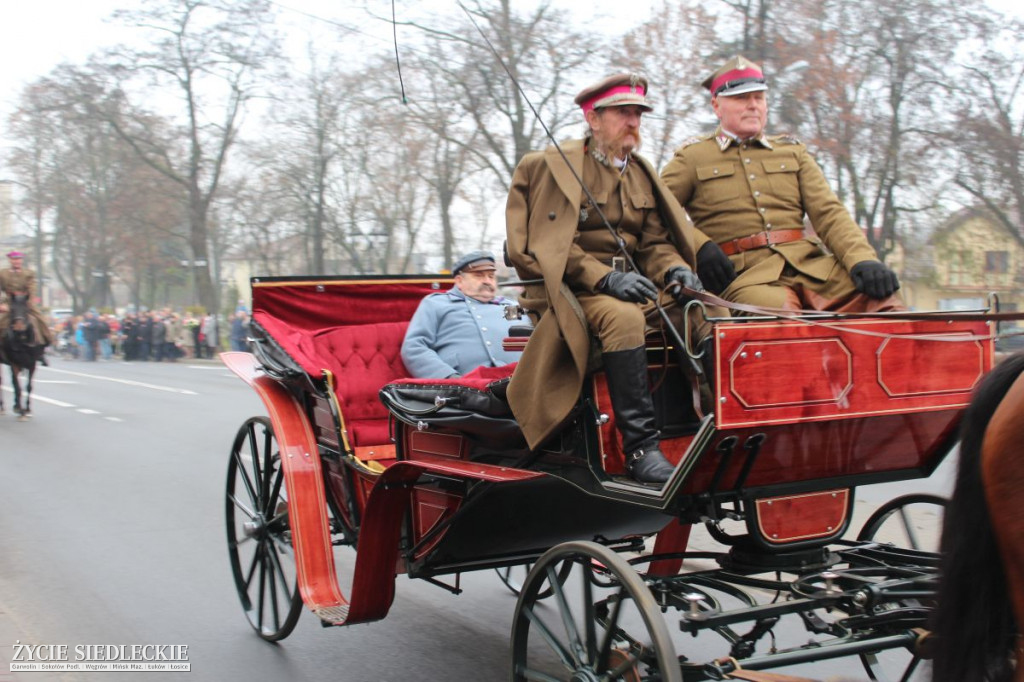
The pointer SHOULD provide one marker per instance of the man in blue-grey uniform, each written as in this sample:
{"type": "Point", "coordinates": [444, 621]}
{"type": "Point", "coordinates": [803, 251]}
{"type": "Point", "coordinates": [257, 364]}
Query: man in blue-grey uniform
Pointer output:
{"type": "Point", "coordinates": [456, 331]}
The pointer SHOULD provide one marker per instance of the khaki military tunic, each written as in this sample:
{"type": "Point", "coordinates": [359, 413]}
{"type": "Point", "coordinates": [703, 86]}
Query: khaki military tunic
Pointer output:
{"type": "Point", "coordinates": [734, 189]}
{"type": "Point", "coordinates": [554, 235]}
{"type": "Point", "coordinates": [19, 282]}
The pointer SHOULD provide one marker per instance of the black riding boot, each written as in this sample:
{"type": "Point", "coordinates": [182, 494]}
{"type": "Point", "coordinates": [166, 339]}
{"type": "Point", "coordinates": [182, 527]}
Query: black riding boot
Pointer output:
{"type": "Point", "coordinates": [626, 371]}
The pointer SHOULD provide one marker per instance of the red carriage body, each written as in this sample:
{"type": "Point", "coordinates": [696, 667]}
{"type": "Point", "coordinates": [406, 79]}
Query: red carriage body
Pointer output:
{"type": "Point", "coordinates": [804, 411]}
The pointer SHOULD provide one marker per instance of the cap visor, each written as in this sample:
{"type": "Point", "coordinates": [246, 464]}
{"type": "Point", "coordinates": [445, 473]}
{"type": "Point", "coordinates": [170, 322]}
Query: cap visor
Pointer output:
{"type": "Point", "coordinates": [743, 89]}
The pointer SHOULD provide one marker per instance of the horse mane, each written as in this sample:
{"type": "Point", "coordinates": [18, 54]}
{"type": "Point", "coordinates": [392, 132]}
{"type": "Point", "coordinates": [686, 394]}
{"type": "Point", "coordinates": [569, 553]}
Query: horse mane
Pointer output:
{"type": "Point", "coordinates": [974, 623]}
{"type": "Point", "coordinates": [17, 344]}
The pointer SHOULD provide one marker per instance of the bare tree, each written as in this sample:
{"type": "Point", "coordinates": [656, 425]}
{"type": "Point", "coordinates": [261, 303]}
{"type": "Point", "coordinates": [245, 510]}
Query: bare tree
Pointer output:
{"type": "Point", "coordinates": [988, 131]}
{"type": "Point", "coordinates": [32, 158]}
{"type": "Point", "coordinates": [206, 55]}
{"type": "Point", "coordinates": [96, 186]}
{"type": "Point", "coordinates": [667, 48]}
{"type": "Point", "coordinates": [544, 56]}
{"type": "Point", "coordinates": [874, 82]}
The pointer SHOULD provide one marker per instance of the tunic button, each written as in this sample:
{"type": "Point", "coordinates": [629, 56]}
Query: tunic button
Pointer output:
{"type": "Point", "coordinates": [551, 216]}
{"type": "Point", "coordinates": [763, 209]}
{"type": "Point", "coordinates": [714, 172]}
{"type": "Point", "coordinates": [768, 225]}
{"type": "Point", "coordinates": [752, 176]}
{"type": "Point", "coordinates": [746, 160]}
{"type": "Point", "coordinates": [757, 193]}
{"type": "Point", "coordinates": [488, 343]}
{"type": "Point", "coordinates": [483, 329]}
{"type": "Point", "coordinates": [783, 166]}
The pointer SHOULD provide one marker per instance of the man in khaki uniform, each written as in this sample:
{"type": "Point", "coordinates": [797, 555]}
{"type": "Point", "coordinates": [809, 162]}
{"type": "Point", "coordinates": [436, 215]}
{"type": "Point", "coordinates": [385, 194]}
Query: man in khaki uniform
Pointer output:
{"type": "Point", "coordinates": [16, 280]}
{"type": "Point", "coordinates": [747, 193]}
{"type": "Point", "coordinates": [556, 234]}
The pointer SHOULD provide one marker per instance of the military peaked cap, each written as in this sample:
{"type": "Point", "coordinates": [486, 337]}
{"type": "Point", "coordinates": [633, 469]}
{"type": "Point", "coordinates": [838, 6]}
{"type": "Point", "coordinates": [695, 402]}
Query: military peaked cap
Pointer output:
{"type": "Point", "coordinates": [737, 76]}
{"type": "Point", "coordinates": [474, 261]}
{"type": "Point", "coordinates": [620, 90]}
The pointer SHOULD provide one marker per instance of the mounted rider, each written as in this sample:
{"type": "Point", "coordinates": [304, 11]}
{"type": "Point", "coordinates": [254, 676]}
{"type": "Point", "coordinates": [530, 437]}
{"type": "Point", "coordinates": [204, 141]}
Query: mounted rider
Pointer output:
{"type": "Point", "coordinates": [16, 280]}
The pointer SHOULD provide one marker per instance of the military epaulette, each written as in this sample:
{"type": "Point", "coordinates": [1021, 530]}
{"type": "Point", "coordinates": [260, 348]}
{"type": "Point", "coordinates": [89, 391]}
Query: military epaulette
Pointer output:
{"type": "Point", "coordinates": [695, 139]}
{"type": "Point", "coordinates": [784, 138]}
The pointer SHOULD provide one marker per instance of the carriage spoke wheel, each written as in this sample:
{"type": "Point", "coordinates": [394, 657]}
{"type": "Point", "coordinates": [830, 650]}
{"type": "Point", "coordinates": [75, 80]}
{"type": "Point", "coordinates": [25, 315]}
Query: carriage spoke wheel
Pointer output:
{"type": "Point", "coordinates": [588, 632]}
{"type": "Point", "coordinates": [513, 577]}
{"type": "Point", "coordinates": [907, 522]}
{"type": "Point", "coordinates": [259, 537]}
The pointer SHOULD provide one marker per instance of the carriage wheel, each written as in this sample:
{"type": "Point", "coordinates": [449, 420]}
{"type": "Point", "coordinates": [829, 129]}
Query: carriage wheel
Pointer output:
{"type": "Point", "coordinates": [259, 537]}
{"type": "Point", "coordinates": [513, 577]}
{"type": "Point", "coordinates": [909, 521]}
{"type": "Point", "coordinates": [589, 632]}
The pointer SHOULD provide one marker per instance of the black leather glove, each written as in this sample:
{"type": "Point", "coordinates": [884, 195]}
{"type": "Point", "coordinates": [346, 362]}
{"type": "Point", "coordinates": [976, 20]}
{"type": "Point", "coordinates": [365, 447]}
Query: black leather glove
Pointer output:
{"type": "Point", "coordinates": [628, 286]}
{"type": "Point", "coordinates": [874, 279]}
{"type": "Point", "coordinates": [715, 268]}
{"type": "Point", "coordinates": [685, 277]}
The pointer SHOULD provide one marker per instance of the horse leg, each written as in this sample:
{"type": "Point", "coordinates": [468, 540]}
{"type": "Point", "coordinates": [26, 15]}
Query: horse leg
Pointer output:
{"type": "Point", "coordinates": [27, 412]}
{"type": "Point", "coordinates": [16, 381]}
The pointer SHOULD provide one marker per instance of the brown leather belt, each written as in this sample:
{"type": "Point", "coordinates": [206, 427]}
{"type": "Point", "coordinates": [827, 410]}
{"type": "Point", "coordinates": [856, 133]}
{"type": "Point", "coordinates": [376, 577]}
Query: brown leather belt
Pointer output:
{"type": "Point", "coordinates": [760, 240]}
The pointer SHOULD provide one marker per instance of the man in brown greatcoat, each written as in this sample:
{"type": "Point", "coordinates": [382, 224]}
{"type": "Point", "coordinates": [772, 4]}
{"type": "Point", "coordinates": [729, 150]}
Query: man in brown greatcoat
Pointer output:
{"type": "Point", "coordinates": [15, 280]}
{"type": "Point", "coordinates": [747, 194]}
{"type": "Point", "coordinates": [556, 234]}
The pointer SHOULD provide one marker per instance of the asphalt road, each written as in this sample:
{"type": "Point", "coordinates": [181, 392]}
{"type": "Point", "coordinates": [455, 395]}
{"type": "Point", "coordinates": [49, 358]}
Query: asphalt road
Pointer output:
{"type": "Point", "coordinates": [112, 533]}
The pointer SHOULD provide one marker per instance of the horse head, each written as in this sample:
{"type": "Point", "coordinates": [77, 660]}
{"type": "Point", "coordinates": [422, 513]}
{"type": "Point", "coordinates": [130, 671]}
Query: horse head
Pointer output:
{"type": "Point", "coordinates": [20, 328]}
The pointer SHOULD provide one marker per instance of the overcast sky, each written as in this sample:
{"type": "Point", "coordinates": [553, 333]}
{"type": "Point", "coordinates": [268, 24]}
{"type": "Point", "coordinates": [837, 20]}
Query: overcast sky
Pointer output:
{"type": "Point", "coordinates": [37, 35]}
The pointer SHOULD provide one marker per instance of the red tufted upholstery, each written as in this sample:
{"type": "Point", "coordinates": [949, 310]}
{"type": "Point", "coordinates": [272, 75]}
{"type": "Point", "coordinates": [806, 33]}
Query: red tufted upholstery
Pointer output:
{"type": "Point", "coordinates": [362, 358]}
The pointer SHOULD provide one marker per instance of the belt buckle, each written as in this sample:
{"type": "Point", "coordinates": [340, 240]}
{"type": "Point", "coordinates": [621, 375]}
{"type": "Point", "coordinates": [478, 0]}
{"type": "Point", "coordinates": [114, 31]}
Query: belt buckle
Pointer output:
{"type": "Point", "coordinates": [618, 264]}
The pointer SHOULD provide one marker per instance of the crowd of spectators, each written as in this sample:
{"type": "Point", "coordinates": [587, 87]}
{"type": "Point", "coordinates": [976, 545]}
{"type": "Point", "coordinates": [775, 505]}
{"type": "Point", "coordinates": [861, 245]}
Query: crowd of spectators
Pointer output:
{"type": "Point", "coordinates": [149, 336]}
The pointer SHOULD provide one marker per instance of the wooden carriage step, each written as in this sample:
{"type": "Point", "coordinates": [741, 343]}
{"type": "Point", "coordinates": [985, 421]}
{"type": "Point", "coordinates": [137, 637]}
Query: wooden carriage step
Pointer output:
{"type": "Point", "coordinates": [335, 615]}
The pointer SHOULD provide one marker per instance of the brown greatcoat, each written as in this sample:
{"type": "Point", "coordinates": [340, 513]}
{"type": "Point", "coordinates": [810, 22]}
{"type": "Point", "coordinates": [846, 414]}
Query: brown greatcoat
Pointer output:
{"type": "Point", "coordinates": [20, 282]}
{"type": "Point", "coordinates": [732, 189]}
{"type": "Point", "coordinates": [542, 215]}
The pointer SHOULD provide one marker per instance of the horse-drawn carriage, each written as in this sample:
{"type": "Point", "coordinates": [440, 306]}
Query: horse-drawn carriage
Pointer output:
{"type": "Point", "coordinates": [432, 478]}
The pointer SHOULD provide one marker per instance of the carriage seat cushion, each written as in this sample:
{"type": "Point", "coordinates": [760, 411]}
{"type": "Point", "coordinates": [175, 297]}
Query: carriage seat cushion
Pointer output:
{"type": "Point", "coordinates": [362, 358]}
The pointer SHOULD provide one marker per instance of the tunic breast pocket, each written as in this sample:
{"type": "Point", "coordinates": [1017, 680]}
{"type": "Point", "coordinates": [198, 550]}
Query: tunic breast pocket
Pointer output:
{"type": "Point", "coordinates": [782, 176]}
{"type": "Point", "coordinates": [718, 182]}
{"type": "Point", "coordinates": [642, 200]}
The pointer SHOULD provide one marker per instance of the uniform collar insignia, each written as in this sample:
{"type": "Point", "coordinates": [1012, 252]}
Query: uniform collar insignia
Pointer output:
{"type": "Point", "coordinates": [725, 140]}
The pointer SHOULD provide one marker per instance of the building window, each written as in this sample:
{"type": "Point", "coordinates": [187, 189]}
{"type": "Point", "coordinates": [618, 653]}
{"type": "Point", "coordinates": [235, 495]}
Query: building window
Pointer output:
{"type": "Point", "coordinates": [959, 269]}
{"type": "Point", "coordinates": [997, 262]}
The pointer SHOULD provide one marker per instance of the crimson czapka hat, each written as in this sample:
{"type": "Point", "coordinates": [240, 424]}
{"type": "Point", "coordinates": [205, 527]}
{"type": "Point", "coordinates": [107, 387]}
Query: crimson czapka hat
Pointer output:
{"type": "Point", "coordinates": [737, 76]}
{"type": "Point", "coordinates": [619, 90]}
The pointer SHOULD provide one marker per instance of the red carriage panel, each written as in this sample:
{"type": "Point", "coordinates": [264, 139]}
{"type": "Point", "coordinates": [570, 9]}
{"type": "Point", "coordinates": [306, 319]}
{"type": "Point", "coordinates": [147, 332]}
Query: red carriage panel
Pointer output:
{"type": "Point", "coordinates": [797, 372]}
{"type": "Point", "coordinates": [795, 518]}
